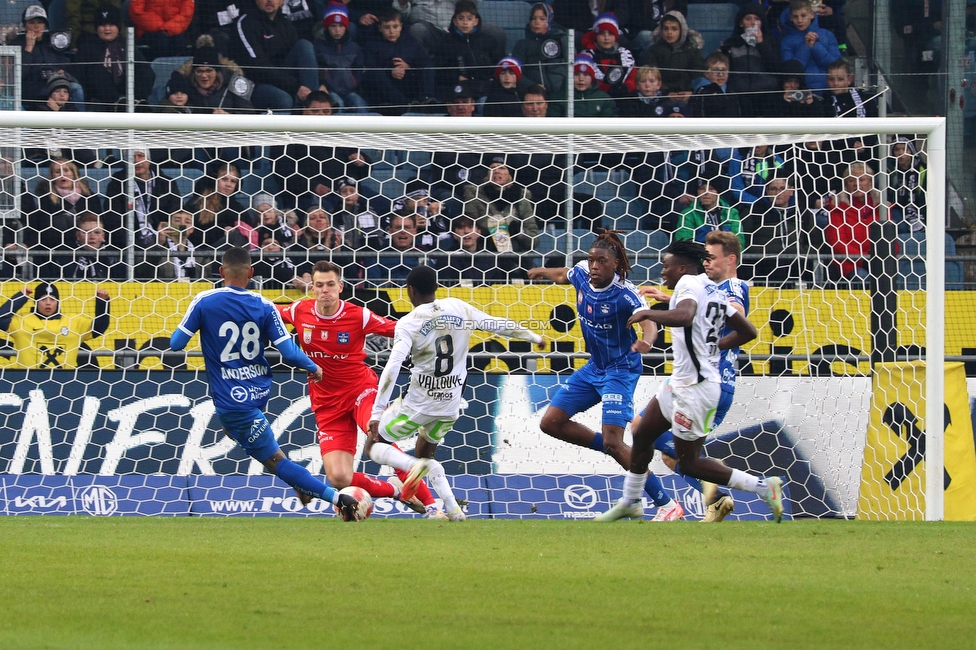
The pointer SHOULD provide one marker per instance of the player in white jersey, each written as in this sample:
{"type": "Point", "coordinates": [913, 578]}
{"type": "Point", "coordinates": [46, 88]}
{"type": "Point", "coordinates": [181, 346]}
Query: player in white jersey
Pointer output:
{"type": "Point", "coordinates": [687, 401]}
{"type": "Point", "coordinates": [435, 334]}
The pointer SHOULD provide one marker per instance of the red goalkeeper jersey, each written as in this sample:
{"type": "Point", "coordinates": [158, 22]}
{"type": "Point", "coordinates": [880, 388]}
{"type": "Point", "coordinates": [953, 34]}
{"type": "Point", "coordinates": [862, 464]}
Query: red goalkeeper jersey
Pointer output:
{"type": "Point", "coordinates": [336, 342]}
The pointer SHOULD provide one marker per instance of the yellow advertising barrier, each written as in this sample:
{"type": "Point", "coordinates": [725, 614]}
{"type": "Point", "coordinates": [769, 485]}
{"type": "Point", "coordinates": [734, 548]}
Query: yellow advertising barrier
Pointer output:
{"type": "Point", "coordinates": [893, 473]}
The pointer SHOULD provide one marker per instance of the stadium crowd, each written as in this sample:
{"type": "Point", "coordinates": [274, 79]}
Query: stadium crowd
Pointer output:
{"type": "Point", "coordinates": [479, 216]}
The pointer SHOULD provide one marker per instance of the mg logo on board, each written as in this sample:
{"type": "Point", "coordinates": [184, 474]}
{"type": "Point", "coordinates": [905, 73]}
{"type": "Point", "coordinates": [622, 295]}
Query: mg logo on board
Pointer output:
{"type": "Point", "coordinates": [99, 500]}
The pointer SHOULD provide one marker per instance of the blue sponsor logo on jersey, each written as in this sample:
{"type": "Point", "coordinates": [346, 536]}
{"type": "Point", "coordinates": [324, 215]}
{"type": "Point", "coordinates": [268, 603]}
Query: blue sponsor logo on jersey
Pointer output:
{"type": "Point", "coordinates": [343, 338]}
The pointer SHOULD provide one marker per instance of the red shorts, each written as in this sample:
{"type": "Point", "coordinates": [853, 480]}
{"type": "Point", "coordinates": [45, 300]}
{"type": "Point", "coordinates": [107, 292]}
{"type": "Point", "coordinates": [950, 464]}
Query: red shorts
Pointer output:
{"type": "Point", "coordinates": [339, 418]}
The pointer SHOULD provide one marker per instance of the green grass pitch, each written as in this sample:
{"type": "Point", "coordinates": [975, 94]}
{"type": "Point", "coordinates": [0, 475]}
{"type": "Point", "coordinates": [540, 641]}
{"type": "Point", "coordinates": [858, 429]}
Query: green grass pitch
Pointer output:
{"type": "Point", "coordinates": [78, 582]}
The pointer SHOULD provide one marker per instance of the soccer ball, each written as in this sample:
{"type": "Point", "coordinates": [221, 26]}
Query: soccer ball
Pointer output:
{"type": "Point", "coordinates": [365, 508]}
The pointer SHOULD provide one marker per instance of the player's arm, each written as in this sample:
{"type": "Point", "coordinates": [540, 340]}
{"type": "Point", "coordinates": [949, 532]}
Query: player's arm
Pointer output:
{"type": "Point", "coordinates": [488, 323]}
{"type": "Point", "coordinates": [742, 331]}
{"type": "Point", "coordinates": [402, 345]}
{"type": "Point", "coordinates": [12, 306]}
{"type": "Point", "coordinates": [376, 324]}
{"type": "Point", "coordinates": [559, 276]}
{"type": "Point", "coordinates": [683, 315]}
{"type": "Point", "coordinates": [100, 324]}
{"type": "Point", "coordinates": [293, 356]}
{"type": "Point", "coordinates": [648, 336]}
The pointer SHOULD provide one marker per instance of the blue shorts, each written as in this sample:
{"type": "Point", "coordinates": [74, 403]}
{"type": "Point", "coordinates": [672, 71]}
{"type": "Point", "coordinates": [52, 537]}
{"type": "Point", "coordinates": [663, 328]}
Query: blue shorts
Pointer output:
{"type": "Point", "coordinates": [665, 442]}
{"type": "Point", "coordinates": [251, 430]}
{"type": "Point", "coordinates": [589, 386]}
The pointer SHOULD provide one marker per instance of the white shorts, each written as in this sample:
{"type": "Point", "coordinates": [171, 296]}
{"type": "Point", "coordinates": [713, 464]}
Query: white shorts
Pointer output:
{"type": "Point", "coordinates": [400, 422]}
{"type": "Point", "coordinates": [689, 409]}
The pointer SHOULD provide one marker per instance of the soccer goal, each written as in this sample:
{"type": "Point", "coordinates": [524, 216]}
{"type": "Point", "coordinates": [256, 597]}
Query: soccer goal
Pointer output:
{"type": "Point", "coordinates": [841, 225]}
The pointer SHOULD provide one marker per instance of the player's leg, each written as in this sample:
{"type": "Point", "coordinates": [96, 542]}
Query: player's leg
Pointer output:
{"type": "Point", "coordinates": [431, 435]}
{"type": "Point", "coordinates": [362, 409]}
{"type": "Point", "coordinates": [577, 395]}
{"type": "Point", "coordinates": [252, 431]}
{"type": "Point", "coordinates": [693, 415]}
{"type": "Point", "coordinates": [652, 425]}
{"type": "Point", "coordinates": [394, 426]}
{"type": "Point", "coordinates": [718, 503]}
{"type": "Point", "coordinates": [338, 435]}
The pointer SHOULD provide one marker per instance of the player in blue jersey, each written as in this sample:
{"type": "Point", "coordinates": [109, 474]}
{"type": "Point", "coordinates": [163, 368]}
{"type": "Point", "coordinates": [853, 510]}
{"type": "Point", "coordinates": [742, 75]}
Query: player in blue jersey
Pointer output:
{"type": "Point", "coordinates": [235, 325]}
{"type": "Point", "coordinates": [605, 299]}
{"type": "Point", "coordinates": [686, 403]}
{"type": "Point", "coordinates": [722, 269]}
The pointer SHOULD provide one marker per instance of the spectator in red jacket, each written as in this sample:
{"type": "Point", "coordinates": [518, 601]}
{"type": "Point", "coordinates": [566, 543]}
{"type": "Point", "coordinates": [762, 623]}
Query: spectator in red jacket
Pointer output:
{"type": "Point", "coordinates": [848, 230]}
{"type": "Point", "coordinates": [161, 26]}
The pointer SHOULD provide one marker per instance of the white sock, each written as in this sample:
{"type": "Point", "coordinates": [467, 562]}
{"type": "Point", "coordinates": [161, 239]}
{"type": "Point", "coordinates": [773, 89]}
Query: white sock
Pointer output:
{"type": "Point", "coordinates": [438, 480]}
{"type": "Point", "coordinates": [669, 504]}
{"type": "Point", "coordinates": [747, 482]}
{"type": "Point", "coordinates": [633, 486]}
{"type": "Point", "coordinates": [385, 454]}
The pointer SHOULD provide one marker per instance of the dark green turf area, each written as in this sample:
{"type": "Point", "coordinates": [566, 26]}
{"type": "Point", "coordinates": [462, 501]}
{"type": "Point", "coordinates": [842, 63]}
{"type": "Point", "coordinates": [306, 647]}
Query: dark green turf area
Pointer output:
{"type": "Point", "coordinates": [77, 582]}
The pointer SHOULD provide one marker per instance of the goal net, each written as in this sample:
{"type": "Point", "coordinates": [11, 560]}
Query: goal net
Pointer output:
{"type": "Point", "coordinates": [123, 219]}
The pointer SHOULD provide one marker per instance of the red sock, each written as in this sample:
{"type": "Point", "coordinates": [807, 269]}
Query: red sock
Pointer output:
{"type": "Point", "coordinates": [423, 492]}
{"type": "Point", "coordinates": [376, 488]}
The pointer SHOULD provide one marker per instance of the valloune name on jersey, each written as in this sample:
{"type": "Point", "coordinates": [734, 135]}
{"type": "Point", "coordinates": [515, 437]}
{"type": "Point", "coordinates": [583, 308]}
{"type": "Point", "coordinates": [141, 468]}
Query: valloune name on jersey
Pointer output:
{"type": "Point", "coordinates": [431, 382]}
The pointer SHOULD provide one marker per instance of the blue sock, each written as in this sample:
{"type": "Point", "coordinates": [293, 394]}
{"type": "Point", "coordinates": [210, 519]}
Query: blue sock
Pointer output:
{"type": "Point", "coordinates": [299, 478]}
{"type": "Point", "coordinates": [692, 481]}
{"type": "Point", "coordinates": [597, 444]}
{"type": "Point", "coordinates": [655, 490]}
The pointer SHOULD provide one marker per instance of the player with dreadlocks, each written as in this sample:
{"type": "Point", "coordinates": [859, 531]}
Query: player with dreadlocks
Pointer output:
{"type": "Point", "coordinates": [687, 401]}
{"type": "Point", "coordinates": [605, 301]}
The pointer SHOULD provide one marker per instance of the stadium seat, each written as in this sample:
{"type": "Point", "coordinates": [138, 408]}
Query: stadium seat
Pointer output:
{"type": "Point", "coordinates": [511, 16]}
{"type": "Point", "coordinates": [714, 21]}
{"type": "Point", "coordinates": [646, 249]}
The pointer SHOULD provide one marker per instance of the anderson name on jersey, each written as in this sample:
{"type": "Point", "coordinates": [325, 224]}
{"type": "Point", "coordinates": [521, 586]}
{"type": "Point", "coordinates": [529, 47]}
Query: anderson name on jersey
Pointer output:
{"type": "Point", "coordinates": [696, 353]}
{"type": "Point", "coordinates": [436, 335]}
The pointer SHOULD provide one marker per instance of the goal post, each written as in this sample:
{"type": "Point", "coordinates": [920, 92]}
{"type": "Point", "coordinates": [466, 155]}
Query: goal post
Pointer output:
{"type": "Point", "coordinates": [785, 374]}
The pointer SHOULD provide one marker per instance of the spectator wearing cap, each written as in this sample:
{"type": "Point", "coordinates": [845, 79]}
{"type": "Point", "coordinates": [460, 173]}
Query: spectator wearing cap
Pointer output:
{"type": "Point", "coordinates": [503, 208]}
{"type": "Point", "coordinates": [101, 64]}
{"type": "Point", "coordinates": [340, 58]}
{"type": "Point", "coordinates": [162, 26]}
{"type": "Point", "coordinates": [41, 59]}
{"type": "Point", "coordinates": [647, 100]}
{"type": "Point", "coordinates": [81, 17]}
{"type": "Point", "coordinates": [428, 21]}
{"type": "Point", "coordinates": [504, 99]}
{"type": "Point", "coordinates": [45, 338]}
{"type": "Point", "coordinates": [432, 222]}
{"type": "Point", "coordinates": [462, 103]}
{"type": "Point", "coordinates": [398, 70]}
{"type": "Point", "coordinates": [614, 63]}
{"type": "Point", "coordinates": [466, 53]}
{"type": "Point", "coordinates": [213, 82]}
{"type": "Point", "coordinates": [543, 55]}
{"type": "Point", "coordinates": [176, 97]}
{"type": "Point", "coordinates": [58, 94]}
{"type": "Point", "coordinates": [676, 52]}
{"type": "Point", "coordinates": [753, 56]}
{"type": "Point", "coordinates": [589, 100]}
{"type": "Point", "coordinates": [281, 64]}
{"type": "Point", "coordinates": [271, 220]}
